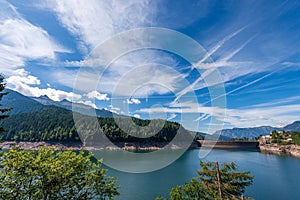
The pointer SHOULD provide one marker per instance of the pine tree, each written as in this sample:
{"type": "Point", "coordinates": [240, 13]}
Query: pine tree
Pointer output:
{"type": "Point", "coordinates": [225, 182]}
{"type": "Point", "coordinates": [3, 110]}
{"type": "Point", "coordinates": [213, 183]}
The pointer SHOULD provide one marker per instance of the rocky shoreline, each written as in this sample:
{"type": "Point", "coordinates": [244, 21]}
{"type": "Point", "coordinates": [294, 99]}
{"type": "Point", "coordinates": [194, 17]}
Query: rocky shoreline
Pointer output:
{"type": "Point", "coordinates": [78, 146]}
{"type": "Point", "coordinates": [282, 150]}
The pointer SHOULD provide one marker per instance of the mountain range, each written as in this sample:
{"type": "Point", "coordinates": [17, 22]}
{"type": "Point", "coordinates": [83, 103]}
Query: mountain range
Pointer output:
{"type": "Point", "coordinates": [23, 104]}
{"type": "Point", "coordinates": [77, 107]}
{"type": "Point", "coordinates": [254, 132]}
{"type": "Point", "coordinates": [53, 121]}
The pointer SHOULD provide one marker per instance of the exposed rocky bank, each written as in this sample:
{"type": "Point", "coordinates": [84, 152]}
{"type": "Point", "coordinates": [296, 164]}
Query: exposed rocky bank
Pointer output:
{"type": "Point", "coordinates": [78, 146]}
{"type": "Point", "coordinates": [290, 150]}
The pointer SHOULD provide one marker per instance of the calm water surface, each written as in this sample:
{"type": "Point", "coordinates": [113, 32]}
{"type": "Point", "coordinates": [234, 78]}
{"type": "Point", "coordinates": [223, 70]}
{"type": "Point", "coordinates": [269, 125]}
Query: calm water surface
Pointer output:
{"type": "Point", "coordinates": [275, 177]}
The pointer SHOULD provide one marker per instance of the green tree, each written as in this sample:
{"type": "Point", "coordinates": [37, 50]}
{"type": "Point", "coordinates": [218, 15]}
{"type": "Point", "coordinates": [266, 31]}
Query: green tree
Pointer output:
{"type": "Point", "coordinates": [214, 183]}
{"type": "Point", "coordinates": [47, 174]}
{"type": "Point", "coordinates": [223, 183]}
{"type": "Point", "coordinates": [3, 110]}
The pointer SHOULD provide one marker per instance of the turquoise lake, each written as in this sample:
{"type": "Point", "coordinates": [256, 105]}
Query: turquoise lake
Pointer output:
{"type": "Point", "coordinates": [275, 177]}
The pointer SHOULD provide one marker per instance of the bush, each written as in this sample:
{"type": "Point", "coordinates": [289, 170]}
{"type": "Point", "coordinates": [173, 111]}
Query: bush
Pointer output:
{"type": "Point", "coordinates": [46, 174]}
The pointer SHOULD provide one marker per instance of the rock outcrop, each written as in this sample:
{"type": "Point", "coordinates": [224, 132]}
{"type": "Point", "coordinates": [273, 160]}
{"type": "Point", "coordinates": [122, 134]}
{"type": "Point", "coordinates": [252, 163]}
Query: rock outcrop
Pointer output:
{"type": "Point", "coordinates": [290, 150]}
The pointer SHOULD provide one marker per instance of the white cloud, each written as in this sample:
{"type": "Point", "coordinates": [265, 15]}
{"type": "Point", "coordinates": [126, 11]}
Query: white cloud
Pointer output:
{"type": "Point", "coordinates": [20, 72]}
{"type": "Point", "coordinates": [133, 101]}
{"type": "Point", "coordinates": [137, 116]}
{"type": "Point", "coordinates": [114, 109]}
{"type": "Point", "coordinates": [23, 77]}
{"type": "Point", "coordinates": [54, 94]}
{"type": "Point", "coordinates": [96, 21]}
{"type": "Point", "coordinates": [145, 81]}
{"type": "Point", "coordinates": [88, 103]}
{"type": "Point", "coordinates": [21, 41]}
{"type": "Point", "coordinates": [25, 83]}
{"type": "Point", "coordinates": [257, 115]}
{"type": "Point", "coordinates": [114, 17]}
{"type": "Point", "coordinates": [127, 77]}
{"type": "Point", "coordinates": [96, 95]}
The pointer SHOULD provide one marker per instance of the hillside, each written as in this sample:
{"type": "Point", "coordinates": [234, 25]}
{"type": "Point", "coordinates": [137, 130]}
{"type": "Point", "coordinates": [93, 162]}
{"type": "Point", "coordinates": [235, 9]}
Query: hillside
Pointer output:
{"type": "Point", "coordinates": [77, 107]}
{"type": "Point", "coordinates": [254, 132]}
{"type": "Point", "coordinates": [41, 119]}
{"type": "Point", "coordinates": [250, 133]}
{"type": "Point", "coordinates": [60, 118]}
{"type": "Point", "coordinates": [56, 124]}
{"type": "Point", "coordinates": [295, 126]}
{"type": "Point", "coordinates": [20, 103]}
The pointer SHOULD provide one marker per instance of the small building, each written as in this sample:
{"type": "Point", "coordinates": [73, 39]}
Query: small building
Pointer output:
{"type": "Point", "coordinates": [268, 137]}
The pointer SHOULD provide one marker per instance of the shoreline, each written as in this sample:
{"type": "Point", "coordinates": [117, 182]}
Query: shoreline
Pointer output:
{"type": "Point", "coordinates": [76, 146]}
{"type": "Point", "coordinates": [281, 150]}
{"type": "Point", "coordinates": [6, 145]}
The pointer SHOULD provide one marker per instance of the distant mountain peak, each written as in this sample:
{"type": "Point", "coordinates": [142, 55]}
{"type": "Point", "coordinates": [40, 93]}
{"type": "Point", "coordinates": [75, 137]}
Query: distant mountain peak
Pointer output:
{"type": "Point", "coordinates": [45, 97]}
{"type": "Point", "coordinates": [65, 101]}
{"type": "Point", "coordinates": [295, 126]}
{"type": "Point", "coordinates": [20, 103]}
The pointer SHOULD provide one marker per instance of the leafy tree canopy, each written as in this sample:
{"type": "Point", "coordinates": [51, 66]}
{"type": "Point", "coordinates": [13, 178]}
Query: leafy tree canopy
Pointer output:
{"type": "Point", "coordinates": [46, 174]}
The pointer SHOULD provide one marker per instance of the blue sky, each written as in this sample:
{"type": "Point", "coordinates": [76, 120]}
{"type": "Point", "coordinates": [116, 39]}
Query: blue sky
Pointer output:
{"type": "Point", "coordinates": [254, 46]}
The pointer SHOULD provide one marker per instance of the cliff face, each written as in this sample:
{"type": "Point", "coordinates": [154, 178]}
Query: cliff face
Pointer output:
{"type": "Point", "coordinates": [291, 150]}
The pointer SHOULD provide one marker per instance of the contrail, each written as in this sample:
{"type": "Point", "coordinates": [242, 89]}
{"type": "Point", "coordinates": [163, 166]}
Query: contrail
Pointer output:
{"type": "Point", "coordinates": [212, 51]}
{"type": "Point", "coordinates": [218, 46]}
{"type": "Point", "coordinates": [228, 57]}
{"type": "Point", "coordinates": [202, 117]}
{"type": "Point", "coordinates": [243, 86]}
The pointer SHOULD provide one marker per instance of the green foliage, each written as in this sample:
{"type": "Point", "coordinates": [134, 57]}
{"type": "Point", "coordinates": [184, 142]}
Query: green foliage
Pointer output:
{"type": "Point", "coordinates": [192, 190]}
{"type": "Point", "coordinates": [46, 174]}
{"type": "Point", "coordinates": [285, 138]}
{"type": "Point", "coordinates": [233, 183]}
{"type": "Point", "coordinates": [56, 124]}
{"type": "Point", "coordinates": [2, 110]}
{"type": "Point", "coordinates": [206, 185]}
{"type": "Point", "coordinates": [296, 137]}
{"type": "Point", "coordinates": [50, 124]}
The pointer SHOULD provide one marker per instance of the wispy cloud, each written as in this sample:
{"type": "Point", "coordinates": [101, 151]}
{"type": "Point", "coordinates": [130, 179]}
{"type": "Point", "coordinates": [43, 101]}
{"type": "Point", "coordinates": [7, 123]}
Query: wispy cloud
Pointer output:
{"type": "Point", "coordinates": [206, 66]}
{"type": "Point", "coordinates": [97, 21]}
{"type": "Point", "coordinates": [21, 41]}
{"type": "Point", "coordinates": [172, 116]}
{"type": "Point", "coordinates": [202, 117]}
{"type": "Point", "coordinates": [257, 115]}
{"type": "Point", "coordinates": [217, 47]}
